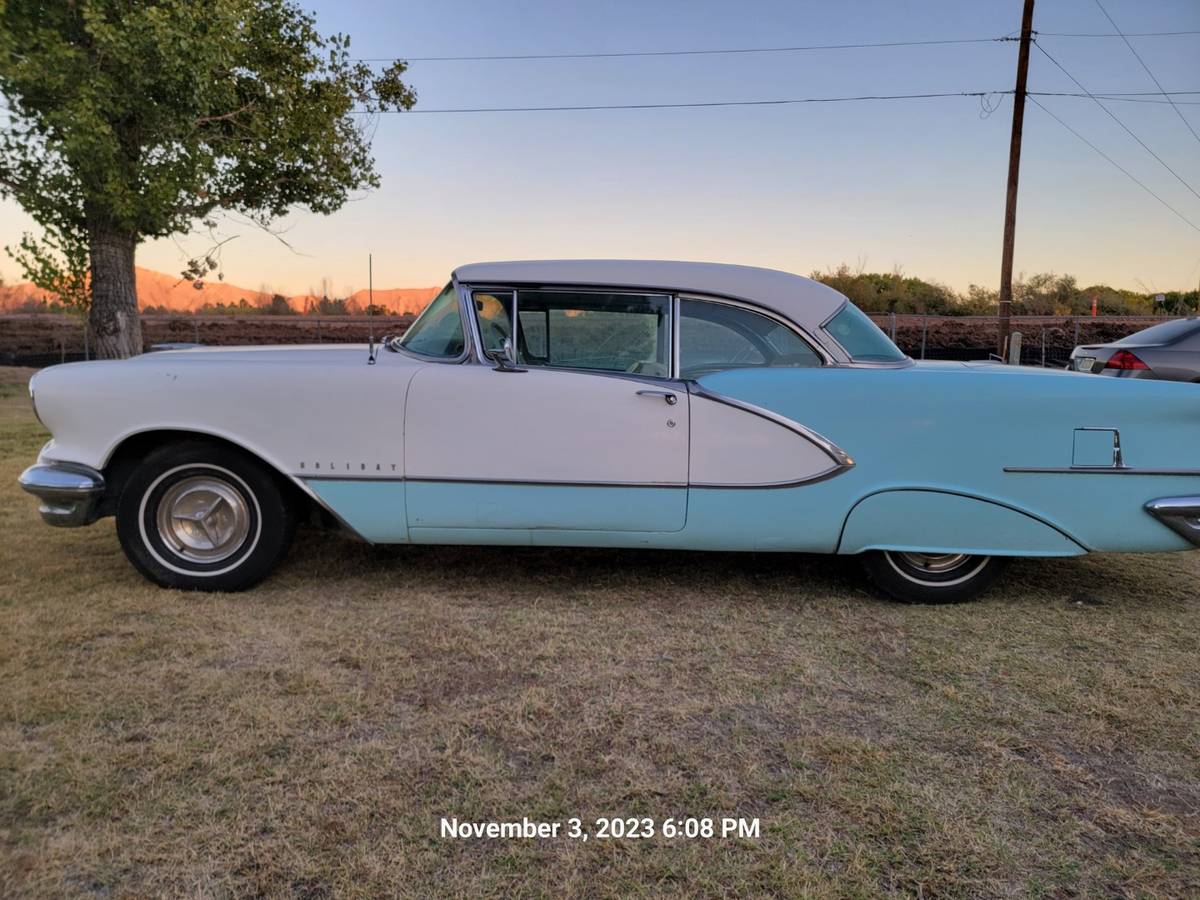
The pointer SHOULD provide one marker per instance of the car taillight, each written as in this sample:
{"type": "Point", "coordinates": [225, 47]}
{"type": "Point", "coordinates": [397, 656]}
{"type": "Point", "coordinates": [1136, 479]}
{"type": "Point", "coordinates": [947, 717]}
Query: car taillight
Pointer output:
{"type": "Point", "coordinates": [1123, 359]}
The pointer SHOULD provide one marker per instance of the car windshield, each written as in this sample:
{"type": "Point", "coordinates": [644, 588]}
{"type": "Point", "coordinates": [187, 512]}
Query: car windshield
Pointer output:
{"type": "Point", "coordinates": [1164, 333]}
{"type": "Point", "coordinates": [862, 338]}
{"type": "Point", "coordinates": [438, 330]}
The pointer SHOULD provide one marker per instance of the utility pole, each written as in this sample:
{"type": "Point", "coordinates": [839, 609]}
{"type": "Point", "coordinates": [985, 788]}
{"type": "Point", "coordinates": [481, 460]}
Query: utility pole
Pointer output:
{"type": "Point", "coordinates": [1014, 170]}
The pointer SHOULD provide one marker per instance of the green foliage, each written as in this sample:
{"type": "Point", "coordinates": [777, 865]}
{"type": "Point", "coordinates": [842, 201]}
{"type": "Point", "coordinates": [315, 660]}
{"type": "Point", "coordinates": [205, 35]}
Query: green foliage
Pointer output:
{"type": "Point", "coordinates": [57, 264]}
{"type": "Point", "coordinates": [1043, 294]}
{"type": "Point", "coordinates": [278, 306]}
{"type": "Point", "coordinates": [878, 292]}
{"type": "Point", "coordinates": [326, 306]}
{"type": "Point", "coordinates": [140, 118]}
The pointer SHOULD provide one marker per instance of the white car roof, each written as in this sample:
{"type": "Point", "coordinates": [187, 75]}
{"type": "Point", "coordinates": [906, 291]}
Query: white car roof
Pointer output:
{"type": "Point", "coordinates": [806, 302]}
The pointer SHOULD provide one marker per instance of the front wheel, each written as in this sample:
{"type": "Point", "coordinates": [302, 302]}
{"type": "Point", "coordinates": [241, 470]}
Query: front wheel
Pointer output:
{"type": "Point", "coordinates": [202, 516]}
{"type": "Point", "coordinates": [931, 577]}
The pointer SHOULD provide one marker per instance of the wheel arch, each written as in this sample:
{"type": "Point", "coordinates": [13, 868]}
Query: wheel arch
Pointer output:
{"type": "Point", "coordinates": [942, 520]}
{"type": "Point", "coordinates": [124, 456]}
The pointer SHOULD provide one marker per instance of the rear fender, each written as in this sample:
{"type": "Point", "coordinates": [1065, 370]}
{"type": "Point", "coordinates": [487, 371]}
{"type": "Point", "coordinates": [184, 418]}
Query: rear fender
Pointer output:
{"type": "Point", "coordinates": [932, 521]}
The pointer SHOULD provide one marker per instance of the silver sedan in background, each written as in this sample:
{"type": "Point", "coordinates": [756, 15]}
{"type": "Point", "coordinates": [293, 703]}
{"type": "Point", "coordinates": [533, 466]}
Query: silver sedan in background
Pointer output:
{"type": "Point", "coordinates": [1169, 351]}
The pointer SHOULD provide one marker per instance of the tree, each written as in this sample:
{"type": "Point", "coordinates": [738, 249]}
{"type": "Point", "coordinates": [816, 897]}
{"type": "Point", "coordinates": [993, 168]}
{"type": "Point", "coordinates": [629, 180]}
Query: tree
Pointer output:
{"type": "Point", "coordinates": [58, 264]}
{"type": "Point", "coordinates": [134, 120]}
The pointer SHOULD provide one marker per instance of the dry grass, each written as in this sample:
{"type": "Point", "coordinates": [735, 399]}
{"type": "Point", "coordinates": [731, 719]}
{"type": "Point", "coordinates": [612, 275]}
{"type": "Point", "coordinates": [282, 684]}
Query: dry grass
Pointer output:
{"type": "Point", "coordinates": [304, 739]}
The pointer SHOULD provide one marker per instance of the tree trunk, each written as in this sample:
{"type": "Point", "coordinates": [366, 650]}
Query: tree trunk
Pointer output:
{"type": "Point", "coordinates": [114, 313]}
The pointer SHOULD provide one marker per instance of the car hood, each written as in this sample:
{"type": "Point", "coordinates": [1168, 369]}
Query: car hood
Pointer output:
{"type": "Point", "coordinates": [320, 354]}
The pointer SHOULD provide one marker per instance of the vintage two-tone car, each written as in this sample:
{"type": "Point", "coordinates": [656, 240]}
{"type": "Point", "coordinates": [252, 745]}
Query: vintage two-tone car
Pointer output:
{"type": "Point", "coordinates": [620, 404]}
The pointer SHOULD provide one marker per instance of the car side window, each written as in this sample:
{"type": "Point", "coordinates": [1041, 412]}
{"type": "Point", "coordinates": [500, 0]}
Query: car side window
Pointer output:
{"type": "Point", "coordinates": [493, 309]}
{"type": "Point", "coordinates": [717, 336]}
{"type": "Point", "coordinates": [438, 331]}
{"type": "Point", "coordinates": [593, 330]}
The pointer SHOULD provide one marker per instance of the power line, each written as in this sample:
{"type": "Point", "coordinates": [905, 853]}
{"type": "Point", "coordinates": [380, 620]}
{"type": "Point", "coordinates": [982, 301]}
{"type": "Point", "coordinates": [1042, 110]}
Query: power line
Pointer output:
{"type": "Point", "coordinates": [696, 105]}
{"type": "Point", "coordinates": [1157, 83]}
{"type": "Point", "coordinates": [1125, 98]}
{"type": "Point", "coordinates": [1128, 174]}
{"type": "Point", "coordinates": [1114, 117]}
{"type": "Point", "coordinates": [1108, 94]}
{"type": "Point", "coordinates": [1146, 100]}
{"type": "Point", "coordinates": [1115, 95]}
{"type": "Point", "coordinates": [713, 52]}
{"type": "Point", "coordinates": [1143, 96]}
{"type": "Point", "coordinates": [865, 45]}
{"type": "Point", "coordinates": [1107, 35]}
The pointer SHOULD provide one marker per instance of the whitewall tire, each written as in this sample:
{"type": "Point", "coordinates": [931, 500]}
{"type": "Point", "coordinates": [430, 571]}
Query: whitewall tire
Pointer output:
{"type": "Point", "coordinates": [198, 515]}
{"type": "Point", "coordinates": [931, 577]}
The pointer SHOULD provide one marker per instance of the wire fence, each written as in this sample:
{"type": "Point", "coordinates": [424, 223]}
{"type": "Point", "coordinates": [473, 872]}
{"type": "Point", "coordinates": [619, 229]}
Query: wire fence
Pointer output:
{"type": "Point", "coordinates": [46, 339]}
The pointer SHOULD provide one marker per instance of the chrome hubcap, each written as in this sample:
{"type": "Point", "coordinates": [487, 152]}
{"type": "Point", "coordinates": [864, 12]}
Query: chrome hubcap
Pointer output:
{"type": "Point", "coordinates": [203, 519]}
{"type": "Point", "coordinates": [934, 563]}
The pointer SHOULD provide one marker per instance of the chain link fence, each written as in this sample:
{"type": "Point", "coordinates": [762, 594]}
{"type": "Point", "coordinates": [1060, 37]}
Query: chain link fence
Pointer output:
{"type": "Point", "coordinates": [46, 339]}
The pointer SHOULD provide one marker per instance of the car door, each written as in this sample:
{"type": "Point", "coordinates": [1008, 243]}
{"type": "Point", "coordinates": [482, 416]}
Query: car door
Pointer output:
{"type": "Point", "coordinates": [584, 433]}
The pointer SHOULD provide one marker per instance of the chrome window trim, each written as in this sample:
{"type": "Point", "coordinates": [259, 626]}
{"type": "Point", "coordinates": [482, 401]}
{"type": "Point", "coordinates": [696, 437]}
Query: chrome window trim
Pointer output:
{"type": "Point", "coordinates": [467, 291]}
{"type": "Point", "coordinates": [832, 353]}
{"type": "Point", "coordinates": [515, 289]}
{"type": "Point", "coordinates": [835, 354]}
{"type": "Point", "coordinates": [812, 341]}
{"type": "Point", "coordinates": [675, 327]}
{"type": "Point", "coordinates": [813, 344]}
{"type": "Point", "coordinates": [468, 343]}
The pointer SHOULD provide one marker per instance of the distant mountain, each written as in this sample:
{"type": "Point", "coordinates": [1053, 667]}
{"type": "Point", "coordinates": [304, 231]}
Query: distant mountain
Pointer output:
{"type": "Point", "coordinates": [173, 293]}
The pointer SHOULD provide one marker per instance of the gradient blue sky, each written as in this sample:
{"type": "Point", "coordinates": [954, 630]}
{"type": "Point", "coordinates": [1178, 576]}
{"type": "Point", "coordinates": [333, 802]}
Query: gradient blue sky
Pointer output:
{"type": "Point", "coordinates": [916, 184]}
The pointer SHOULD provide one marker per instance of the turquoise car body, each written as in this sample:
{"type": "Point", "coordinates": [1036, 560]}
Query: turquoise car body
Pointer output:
{"type": "Point", "coordinates": [948, 457]}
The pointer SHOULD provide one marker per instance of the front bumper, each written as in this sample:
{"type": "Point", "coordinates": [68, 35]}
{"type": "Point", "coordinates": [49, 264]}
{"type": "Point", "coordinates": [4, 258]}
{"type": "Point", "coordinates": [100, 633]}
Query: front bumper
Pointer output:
{"type": "Point", "coordinates": [70, 492]}
{"type": "Point", "coordinates": [1180, 514]}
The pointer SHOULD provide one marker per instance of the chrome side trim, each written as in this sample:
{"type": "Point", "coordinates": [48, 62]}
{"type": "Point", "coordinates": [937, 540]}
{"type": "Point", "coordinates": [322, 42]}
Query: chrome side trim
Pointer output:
{"type": "Point", "coordinates": [1096, 470]}
{"type": "Point", "coordinates": [382, 479]}
{"type": "Point", "coordinates": [1180, 514]}
{"type": "Point", "coordinates": [840, 457]}
{"type": "Point", "coordinates": [438, 479]}
{"type": "Point", "coordinates": [665, 485]}
{"type": "Point", "coordinates": [831, 472]}
{"type": "Point", "coordinates": [70, 492]}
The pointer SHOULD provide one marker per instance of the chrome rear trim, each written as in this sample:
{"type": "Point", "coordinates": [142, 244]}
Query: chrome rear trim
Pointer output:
{"type": "Point", "coordinates": [1180, 514]}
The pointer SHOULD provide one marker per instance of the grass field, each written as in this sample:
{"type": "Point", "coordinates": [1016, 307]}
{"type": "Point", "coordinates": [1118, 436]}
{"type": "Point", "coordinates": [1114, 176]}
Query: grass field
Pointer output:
{"type": "Point", "coordinates": [304, 739]}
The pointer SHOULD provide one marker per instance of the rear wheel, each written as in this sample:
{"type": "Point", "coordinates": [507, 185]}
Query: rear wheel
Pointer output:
{"type": "Point", "coordinates": [202, 516]}
{"type": "Point", "coordinates": [931, 577]}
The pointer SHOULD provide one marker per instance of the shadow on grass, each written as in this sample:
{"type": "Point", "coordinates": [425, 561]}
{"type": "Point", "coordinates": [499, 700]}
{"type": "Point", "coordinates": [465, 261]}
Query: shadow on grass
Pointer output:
{"type": "Point", "coordinates": [323, 556]}
{"type": "Point", "coordinates": [326, 558]}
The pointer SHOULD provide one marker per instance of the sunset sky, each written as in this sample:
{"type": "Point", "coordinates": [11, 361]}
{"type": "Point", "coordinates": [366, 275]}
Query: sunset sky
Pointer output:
{"type": "Point", "coordinates": [917, 184]}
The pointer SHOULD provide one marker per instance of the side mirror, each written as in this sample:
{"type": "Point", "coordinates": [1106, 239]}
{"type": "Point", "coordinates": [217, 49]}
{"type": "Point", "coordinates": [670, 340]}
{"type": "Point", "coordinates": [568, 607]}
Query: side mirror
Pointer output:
{"type": "Point", "coordinates": [505, 358]}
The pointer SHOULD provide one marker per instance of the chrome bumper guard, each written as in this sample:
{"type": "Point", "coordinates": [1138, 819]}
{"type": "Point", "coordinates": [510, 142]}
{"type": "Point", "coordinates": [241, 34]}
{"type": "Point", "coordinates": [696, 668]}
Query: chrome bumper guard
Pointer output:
{"type": "Point", "coordinates": [70, 492]}
{"type": "Point", "coordinates": [1180, 514]}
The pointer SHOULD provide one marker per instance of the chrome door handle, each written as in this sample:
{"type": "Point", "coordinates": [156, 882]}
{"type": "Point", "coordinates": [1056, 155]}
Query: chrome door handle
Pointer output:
{"type": "Point", "coordinates": [666, 395]}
